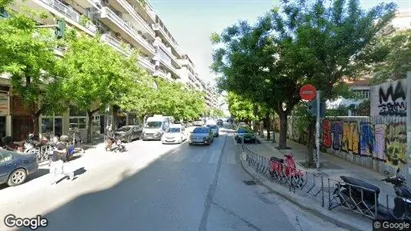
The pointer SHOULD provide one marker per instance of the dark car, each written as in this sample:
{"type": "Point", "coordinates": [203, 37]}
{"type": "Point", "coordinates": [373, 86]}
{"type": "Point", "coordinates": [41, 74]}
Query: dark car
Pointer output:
{"type": "Point", "coordinates": [246, 133]}
{"type": "Point", "coordinates": [214, 129]}
{"type": "Point", "coordinates": [129, 133]}
{"type": "Point", "coordinates": [15, 167]}
{"type": "Point", "coordinates": [202, 135]}
{"type": "Point", "coordinates": [220, 122]}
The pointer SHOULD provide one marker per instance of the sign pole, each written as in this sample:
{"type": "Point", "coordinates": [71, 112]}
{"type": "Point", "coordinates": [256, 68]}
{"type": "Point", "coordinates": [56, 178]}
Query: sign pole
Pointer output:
{"type": "Point", "coordinates": [407, 169]}
{"type": "Point", "coordinates": [317, 126]}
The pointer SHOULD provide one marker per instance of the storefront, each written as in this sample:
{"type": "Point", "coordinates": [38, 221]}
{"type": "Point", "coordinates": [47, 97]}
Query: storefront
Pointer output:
{"type": "Point", "coordinates": [51, 125]}
{"type": "Point", "coordinates": [22, 121]}
{"type": "Point", "coordinates": [5, 123]}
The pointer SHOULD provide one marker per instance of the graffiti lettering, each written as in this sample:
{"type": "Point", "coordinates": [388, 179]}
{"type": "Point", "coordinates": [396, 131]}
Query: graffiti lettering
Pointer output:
{"type": "Point", "coordinates": [336, 131]}
{"type": "Point", "coordinates": [366, 139]}
{"type": "Point", "coordinates": [379, 145]}
{"type": "Point", "coordinates": [326, 133]}
{"type": "Point", "coordinates": [398, 93]}
{"type": "Point", "coordinates": [354, 137]}
{"type": "Point", "coordinates": [393, 109]}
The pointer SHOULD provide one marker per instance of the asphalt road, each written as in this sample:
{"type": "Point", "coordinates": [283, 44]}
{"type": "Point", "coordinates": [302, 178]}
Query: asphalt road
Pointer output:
{"type": "Point", "coordinates": [159, 187]}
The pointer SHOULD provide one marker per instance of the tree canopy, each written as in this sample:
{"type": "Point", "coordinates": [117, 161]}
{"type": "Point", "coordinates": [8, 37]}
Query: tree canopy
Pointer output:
{"type": "Point", "coordinates": [302, 42]}
{"type": "Point", "coordinates": [27, 55]}
{"type": "Point", "coordinates": [240, 107]}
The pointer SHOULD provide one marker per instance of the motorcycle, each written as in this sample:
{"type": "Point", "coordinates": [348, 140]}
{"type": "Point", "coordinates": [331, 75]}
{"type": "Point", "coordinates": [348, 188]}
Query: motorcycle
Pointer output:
{"type": "Point", "coordinates": [286, 170]}
{"type": "Point", "coordinates": [356, 194]}
{"type": "Point", "coordinates": [33, 145]}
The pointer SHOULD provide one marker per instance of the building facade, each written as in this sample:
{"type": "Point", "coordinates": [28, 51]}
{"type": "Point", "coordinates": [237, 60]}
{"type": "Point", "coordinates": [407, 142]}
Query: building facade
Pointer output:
{"type": "Point", "coordinates": [123, 24]}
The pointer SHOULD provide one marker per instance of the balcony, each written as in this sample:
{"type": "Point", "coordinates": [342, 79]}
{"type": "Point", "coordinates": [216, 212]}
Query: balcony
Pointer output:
{"type": "Point", "coordinates": [120, 26]}
{"type": "Point", "coordinates": [162, 74]}
{"type": "Point", "coordinates": [170, 67]}
{"type": "Point", "coordinates": [146, 64]}
{"type": "Point", "coordinates": [141, 22]}
{"type": "Point", "coordinates": [116, 44]}
{"type": "Point", "coordinates": [166, 36]}
{"type": "Point", "coordinates": [61, 10]}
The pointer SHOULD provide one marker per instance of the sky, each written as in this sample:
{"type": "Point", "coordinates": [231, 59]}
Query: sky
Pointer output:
{"type": "Point", "coordinates": [191, 22]}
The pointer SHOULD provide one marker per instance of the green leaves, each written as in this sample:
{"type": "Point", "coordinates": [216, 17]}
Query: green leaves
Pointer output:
{"type": "Point", "coordinates": [239, 107]}
{"type": "Point", "coordinates": [27, 54]}
{"type": "Point", "coordinates": [95, 75]}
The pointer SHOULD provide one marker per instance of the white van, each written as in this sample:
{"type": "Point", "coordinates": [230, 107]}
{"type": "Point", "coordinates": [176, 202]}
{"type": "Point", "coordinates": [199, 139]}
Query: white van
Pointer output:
{"type": "Point", "coordinates": [155, 127]}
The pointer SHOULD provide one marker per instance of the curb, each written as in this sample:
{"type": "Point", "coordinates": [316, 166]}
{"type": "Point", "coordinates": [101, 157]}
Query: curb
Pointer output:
{"type": "Point", "coordinates": [296, 200]}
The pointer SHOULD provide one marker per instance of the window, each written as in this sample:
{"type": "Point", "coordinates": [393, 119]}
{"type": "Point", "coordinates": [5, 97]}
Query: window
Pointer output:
{"type": "Point", "coordinates": [47, 125]}
{"type": "Point", "coordinates": [78, 122]}
{"type": "Point", "coordinates": [4, 157]}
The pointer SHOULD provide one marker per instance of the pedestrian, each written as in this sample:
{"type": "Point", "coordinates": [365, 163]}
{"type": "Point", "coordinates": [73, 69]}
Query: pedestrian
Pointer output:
{"type": "Point", "coordinates": [56, 162]}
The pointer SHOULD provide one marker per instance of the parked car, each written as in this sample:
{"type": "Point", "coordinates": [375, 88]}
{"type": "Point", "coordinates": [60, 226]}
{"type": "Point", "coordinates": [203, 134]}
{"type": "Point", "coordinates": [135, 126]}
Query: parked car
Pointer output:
{"type": "Point", "coordinates": [214, 129]}
{"type": "Point", "coordinates": [15, 167]}
{"type": "Point", "coordinates": [202, 135]}
{"type": "Point", "coordinates": [129, 133]}
{"type": "Point", "coordinates": [220, 122]}
{"type": "Point", "coordinates": [176, 134]}
{"type": "Point", "coordinates": [198, 123]}
{"type": "Point", "coordinates": [246, 133]}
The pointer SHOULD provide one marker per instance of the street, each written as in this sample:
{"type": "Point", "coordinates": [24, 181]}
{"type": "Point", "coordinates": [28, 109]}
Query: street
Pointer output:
{"type": "Point", "coordinates": [158, 187]}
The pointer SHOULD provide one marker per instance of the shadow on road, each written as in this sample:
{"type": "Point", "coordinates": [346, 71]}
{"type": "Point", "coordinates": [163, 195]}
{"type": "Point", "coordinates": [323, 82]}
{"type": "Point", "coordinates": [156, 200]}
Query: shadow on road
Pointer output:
{"type": "Point", "coordinates": [119, 207]}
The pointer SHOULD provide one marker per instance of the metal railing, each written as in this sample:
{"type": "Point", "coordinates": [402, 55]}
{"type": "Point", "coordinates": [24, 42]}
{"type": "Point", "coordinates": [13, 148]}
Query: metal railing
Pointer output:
{"type": "Point", "coordinates": [116, 44]}
{"type": "Point", "coordinates": [136, 16]}
{"type": "Point", "coordinates": [70, 13]}
{"type": "Point", "coordinates": [146, 61]}
{"type": "Point", "coordinates": [128, 28]}
{"type": "Point", "coordinates": [329, 193]}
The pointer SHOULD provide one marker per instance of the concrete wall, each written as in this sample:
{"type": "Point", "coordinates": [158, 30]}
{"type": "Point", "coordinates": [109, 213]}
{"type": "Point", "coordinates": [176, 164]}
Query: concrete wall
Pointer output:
{"type": "Point", "coordinates": [389, 99]}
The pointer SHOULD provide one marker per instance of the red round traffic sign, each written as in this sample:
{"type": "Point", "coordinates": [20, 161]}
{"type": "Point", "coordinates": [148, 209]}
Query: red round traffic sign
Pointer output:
{"type": "Point", "coordinates": [308, 92]}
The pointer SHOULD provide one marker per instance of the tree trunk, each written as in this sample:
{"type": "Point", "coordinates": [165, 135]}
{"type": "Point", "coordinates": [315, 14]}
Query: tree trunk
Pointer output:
{"type": "Point", "coordinates": [36, 126]}
{"type": "Point", "coordinates": [267, 121]}
{"type": "Point", "coordinates": [283, 130]}
{"type": "Point", "coordinates": [255, 122]}
{"type": "Point", "coordinates": [274, 131]}
{"type": "Point", "coordinates": [310, 144]}
{"type": "Point", "coordinates": [90, 126]}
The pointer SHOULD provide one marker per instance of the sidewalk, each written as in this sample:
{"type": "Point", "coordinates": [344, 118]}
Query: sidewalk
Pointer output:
{"type": "Point", "coordinates": [332, 166]}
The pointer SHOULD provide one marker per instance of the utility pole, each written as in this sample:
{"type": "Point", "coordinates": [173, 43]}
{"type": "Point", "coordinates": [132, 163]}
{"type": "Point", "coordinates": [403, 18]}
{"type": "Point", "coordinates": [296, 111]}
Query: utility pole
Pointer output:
{"type": "Point", "coordinates": [317, 126]}
{"type": "Point", "coordinates": [408, 152]}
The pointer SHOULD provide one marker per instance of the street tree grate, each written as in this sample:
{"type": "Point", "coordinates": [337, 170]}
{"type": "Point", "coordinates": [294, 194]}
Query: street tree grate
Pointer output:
{"type": "Point", "coordinates": [250, 182]}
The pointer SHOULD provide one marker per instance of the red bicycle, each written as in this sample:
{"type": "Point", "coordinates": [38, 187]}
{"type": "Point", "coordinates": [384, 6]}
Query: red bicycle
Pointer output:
{"type": "Point", "coordinates": [285, 170]}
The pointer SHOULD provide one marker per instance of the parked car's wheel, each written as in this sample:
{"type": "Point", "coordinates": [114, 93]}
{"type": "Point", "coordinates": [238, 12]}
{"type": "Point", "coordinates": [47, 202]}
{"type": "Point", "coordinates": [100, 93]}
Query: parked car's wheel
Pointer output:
{"type": "Point", "coordinates": [17, 177]}
{"type": "Point", "coordinates": [129, 139]}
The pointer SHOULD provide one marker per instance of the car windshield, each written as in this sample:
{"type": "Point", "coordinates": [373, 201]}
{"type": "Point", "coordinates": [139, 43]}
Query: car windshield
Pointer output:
{"type": "Point", "coordinates": [153, 124]}
{"type": "Point", "coordinates": [212, 126]}
{"type": "Point", "coordinates": [173, 130]}
{"type": "Point", "coordinates": [124, 129]}
{"type": "Point", "coordinates": [201, 130]}
{"type": "Point", "coordinates": [243, 130]}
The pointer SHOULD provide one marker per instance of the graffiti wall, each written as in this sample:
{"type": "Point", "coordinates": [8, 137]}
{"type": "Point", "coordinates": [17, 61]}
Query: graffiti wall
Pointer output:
{"type": "Point", "coordinates": [388, 99]}
{"type": "Point", "coordinates": [382, 141]}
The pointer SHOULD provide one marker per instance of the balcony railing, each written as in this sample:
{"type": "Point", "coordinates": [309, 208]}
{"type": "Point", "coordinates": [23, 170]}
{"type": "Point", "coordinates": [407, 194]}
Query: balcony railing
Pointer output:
{"type": "Point", "coordinates": [169, 66]}
{"type": "Point", "coordinates": [129, 29]}
{"type": "Point", "coordinates": [136, 16]}
{"type": "Point", "coordinates": [170, 40]}
{"type": "Point", "coordinates": [146, 62]}
{"type": "Point", "coordinates": [116, 44]}
{"type": "Point", "coordinates": [69, 12]}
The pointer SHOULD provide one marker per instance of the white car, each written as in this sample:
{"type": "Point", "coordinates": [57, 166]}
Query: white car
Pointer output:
{"type": "Point", "coordinates": [176, 134]}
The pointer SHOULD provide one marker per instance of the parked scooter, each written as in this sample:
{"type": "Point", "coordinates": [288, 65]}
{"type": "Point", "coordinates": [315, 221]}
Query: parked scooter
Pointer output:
{"type": "Point", "coordinates": [286, 169]}
{"type": "Point", "coordinates": [357, 194]}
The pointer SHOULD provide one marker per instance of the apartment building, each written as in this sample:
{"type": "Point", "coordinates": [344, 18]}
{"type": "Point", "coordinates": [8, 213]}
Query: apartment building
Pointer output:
{"type": "Point", "coordinates": [123, 24]}
{"type": "Point", "coordinates": [188, 73]}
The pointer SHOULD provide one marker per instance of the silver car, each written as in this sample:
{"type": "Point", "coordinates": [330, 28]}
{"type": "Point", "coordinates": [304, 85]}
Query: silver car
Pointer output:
{"type": "Point", "coordinates": [214, 129]}
{"type": "Point", "coordinates": [202, 135]}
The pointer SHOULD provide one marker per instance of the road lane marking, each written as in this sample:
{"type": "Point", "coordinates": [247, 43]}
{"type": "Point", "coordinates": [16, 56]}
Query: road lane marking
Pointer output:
{"type": "Point", "coordinates": [215, 157]}
{"type": "Point", "coordinates": [231, 158]}
{"type": "Point", "coordinates": [196, 158]}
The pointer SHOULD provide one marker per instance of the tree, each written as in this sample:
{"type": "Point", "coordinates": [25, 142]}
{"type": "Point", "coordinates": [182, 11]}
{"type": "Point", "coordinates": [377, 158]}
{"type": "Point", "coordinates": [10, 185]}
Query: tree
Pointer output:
{"type": "Point", "coordinates": [240, 108]}
{"type": "Point", "coordinates": [26, 53]}
{"type": "Point", "coordinates": [96, 76]}
{"type": "Point", "coordinates": [218, 113]}
{"type": "Point", "coordinates": [330, 43]}
{"type": "Point", "coordinates": [397, 62]}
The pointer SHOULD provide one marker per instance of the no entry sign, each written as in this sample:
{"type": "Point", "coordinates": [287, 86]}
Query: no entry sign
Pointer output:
{"type": "Point", "coordinates": [307, 92]}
